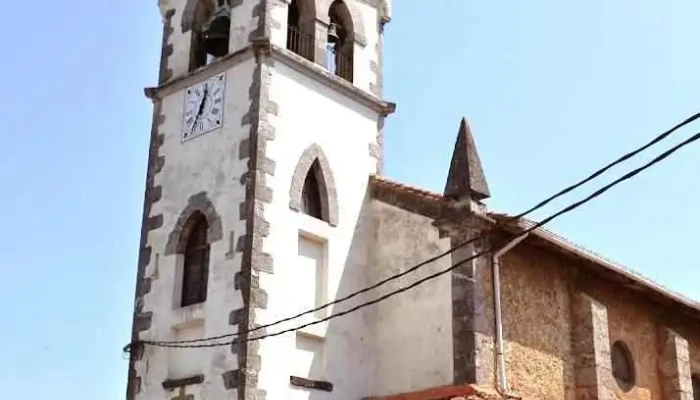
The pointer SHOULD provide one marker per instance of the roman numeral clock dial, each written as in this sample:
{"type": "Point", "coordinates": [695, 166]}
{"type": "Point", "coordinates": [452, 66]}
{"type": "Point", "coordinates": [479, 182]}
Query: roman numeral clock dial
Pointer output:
{"type": "Point", "coordinates": [203, 109]}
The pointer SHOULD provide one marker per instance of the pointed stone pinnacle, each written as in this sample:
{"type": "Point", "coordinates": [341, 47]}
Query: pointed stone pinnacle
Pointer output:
{"type": "Point", "coordinates": [466, 177]}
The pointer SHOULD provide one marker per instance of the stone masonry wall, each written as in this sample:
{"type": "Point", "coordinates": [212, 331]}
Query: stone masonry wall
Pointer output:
{"type": "Point", "coordinates": [559, 324]}
{"type": "Point", "coordinates": [536, 324]}
{"type": "Point", "coordinates": [633, 321]}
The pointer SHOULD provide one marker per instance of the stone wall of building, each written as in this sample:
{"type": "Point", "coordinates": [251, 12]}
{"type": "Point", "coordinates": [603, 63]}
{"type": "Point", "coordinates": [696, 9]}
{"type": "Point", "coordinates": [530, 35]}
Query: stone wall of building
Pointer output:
{"type": "Point", "coordinates": [560, 322]}
{"type": "Point", "coordinates": [636, 322]}
{"type": "Point", "coordinates": [536, 324]}
{"type": "Point", "coordinates": [691, 332]}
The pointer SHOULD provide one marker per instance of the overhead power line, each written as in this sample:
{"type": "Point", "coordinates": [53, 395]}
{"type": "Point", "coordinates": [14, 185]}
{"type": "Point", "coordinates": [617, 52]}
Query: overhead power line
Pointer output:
{"type": "Point", "coordinates": [543, 203]}
{"type": "Point", "coordinates": [563, 211]}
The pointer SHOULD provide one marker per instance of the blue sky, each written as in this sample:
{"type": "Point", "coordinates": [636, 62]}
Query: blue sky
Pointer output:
{"type": "Point", "coordinates": [552, 90]}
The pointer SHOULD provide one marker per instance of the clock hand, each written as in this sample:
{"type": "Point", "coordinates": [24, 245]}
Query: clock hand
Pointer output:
{"type": "Point", "coordinates": [194, 124]}
{"type": "Point", "coordinates": [204, 99]}
{"type": "Point", "coordinates": [201, 107]}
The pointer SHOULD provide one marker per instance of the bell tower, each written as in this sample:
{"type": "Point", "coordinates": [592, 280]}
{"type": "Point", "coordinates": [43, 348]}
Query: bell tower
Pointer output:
{"type": "Point", "coordinates": [267, 124]}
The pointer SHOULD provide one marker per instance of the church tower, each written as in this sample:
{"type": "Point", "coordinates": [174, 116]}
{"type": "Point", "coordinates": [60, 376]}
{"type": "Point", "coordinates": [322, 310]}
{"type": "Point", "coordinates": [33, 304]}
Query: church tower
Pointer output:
{"type": "Point", "coordinates": [267, 124]}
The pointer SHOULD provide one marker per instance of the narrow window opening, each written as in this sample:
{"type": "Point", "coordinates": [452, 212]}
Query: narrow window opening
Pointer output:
{"type": "Point", "coordinates": [196, 265]}
{"type": "Point", "coordinates": [341, 41]}
{"type": "Point", "coordinates": [311, 193]}
{"type": "Point", "coordinates": [293, 32]}
{"type": "Point", "coordinates": [210, 33]}
{"type": "Point", "coordinates": [300, 37]}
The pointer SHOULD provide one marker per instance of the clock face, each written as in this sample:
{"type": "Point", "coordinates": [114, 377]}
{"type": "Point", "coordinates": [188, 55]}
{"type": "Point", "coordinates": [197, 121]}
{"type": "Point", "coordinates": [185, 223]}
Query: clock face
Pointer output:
{"type": "Point", "coordinates": [204, 107]}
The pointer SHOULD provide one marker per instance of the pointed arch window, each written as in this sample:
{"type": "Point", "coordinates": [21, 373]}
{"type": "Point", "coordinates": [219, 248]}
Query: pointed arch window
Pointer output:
{"type": "Point", "coordinates": [311, 201]}
{"type": "Point", "coordinates": [195, 273]}
{"type": "Point", "coordinates": [312, 190]}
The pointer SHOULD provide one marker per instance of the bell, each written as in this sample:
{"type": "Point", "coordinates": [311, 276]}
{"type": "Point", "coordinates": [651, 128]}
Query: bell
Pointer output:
{"type": "Point", "coordinates": [215, 32]}
{"type": "Point", "coordinates": [333, 37]}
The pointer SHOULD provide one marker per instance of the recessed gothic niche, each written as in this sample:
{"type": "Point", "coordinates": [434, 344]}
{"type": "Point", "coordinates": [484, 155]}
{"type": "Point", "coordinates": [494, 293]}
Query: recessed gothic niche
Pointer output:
{"type": "Point", "coordinates": [313, 188]}
{"type": "Point", "coordinates": [197, 227]}
{"type": "Point", "coordinates": [210, 24]}
{"type": "Point", "coordinates": [622, 365]}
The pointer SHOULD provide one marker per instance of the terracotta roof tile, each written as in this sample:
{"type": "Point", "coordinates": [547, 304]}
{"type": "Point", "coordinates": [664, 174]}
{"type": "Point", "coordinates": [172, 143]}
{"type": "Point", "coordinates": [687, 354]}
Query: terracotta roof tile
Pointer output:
{"type": "Point", "coordinates": [409, 198]}
{"type": "Point", "coordinates": [450, 392]}
{"type": "Point", "coordinates": [402, 187]}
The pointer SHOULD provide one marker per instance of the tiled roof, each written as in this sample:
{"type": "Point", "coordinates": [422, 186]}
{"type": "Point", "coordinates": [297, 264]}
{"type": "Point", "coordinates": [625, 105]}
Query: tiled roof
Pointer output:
{"type": "Point", "coordinates": [415, 200]}
{"type": "Point", "coordinates": [451, 392]}
{"type": "Point", "coordinates": [408, 189]}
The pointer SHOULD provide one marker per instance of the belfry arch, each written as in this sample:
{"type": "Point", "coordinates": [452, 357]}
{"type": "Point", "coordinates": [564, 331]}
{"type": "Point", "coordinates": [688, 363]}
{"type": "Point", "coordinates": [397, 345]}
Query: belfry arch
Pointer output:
{"type": "Point", "coordinates": [301, 28]}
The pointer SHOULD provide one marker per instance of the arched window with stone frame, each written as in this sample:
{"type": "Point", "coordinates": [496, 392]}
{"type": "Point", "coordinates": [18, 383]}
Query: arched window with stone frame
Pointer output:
{"type": "Point", "coordinates": [301, 28]}
{"type": "Point", "coordinates": [341, 40]}
{"type": "Point", "coordinates": [312, 191]}
{"type": "Point", "coordinates": [210, 22]}
{"type": "Point", "coordinates": [195, 270]}
{"type": "Point", "coordinates": [194, 232]}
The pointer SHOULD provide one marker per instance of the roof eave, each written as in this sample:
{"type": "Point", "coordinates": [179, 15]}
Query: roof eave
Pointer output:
{"type": "Point", "coordinates": [609, 270]}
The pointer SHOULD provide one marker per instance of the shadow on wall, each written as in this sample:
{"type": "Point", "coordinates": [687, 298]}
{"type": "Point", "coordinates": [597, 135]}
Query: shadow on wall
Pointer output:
{"type": "Point", "coordinates": [343, 357]}
{"type": "Point", "coordinates": [401, 344]}
{"type": "Point", "coordinates": [405, 343]}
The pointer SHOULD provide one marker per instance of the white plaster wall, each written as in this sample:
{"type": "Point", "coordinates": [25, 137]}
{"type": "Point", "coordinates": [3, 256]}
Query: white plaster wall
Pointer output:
{"type": "Point", "coordinates": [242, 24]}
{"type": "Point", "coordinates": [179, 60]}
{"type": "Point", "coordinates": [309, 113]}
{"type": "Point", "coordinates": [207, 163]}
{"type": "Point", "coordinates": [412, 331]}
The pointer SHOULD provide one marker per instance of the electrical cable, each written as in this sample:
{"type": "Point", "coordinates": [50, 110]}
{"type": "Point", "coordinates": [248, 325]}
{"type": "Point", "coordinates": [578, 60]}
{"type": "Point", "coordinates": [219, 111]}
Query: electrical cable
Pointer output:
{"type": "Point", "coordinates": [565, 210]}
{"type": "Point", "coordinates": [541, 204]}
